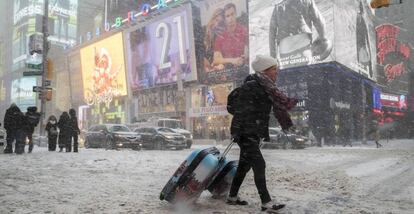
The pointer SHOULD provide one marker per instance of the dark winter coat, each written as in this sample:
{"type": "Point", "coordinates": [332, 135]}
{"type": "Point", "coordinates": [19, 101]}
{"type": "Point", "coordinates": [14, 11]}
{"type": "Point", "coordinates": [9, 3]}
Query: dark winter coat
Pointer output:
{"type": "Point", "coordinates": [52, 130]}
{"type": "Point", "coordinates": [254, 106]}
{"type": "Point", "coordinates": [14, 119]}
{"type": "Point", "coordinates": [65, 125]}
{"type": "Point", "coordinates": [33, 119]}
{"type": "Point", "coordinates": [74, 125]}
{"type": "Point", "coordinates": [74, 122]}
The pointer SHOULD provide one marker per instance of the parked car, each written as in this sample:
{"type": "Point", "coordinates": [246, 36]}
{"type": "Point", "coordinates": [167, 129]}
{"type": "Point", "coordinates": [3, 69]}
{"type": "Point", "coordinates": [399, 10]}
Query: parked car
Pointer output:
{"type": "Point", "coordinates": [280, 140]}
{"type": "Point", "coordinates": [112, 136]}
{"type": "Point", "coordinates": [2, 138]}
{"type": "Point", "coordinates": [174, 124]}
{"type": "Point", "coordinates": [161, 138]}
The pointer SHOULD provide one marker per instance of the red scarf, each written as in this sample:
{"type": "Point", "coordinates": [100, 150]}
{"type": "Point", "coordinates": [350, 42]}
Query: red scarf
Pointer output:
{"type": "Point", "coordinates": [281, 103]}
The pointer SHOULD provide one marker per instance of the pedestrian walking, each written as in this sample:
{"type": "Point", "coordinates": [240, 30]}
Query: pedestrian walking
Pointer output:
{"type": "Point", "coordinates": [75, 129]}
{"type": "Point", "coordinates": [250, 124]}
{"type": "Point", "coordinates": [33, 118]}
{"type": "Point", "coordinates": [65, 132]}
{"type": "Point", "coordinates": [52, 132]}
{"type": "Point", "coordinates": [377, 138]}
{"type": "Point", "coordinates": [14, 123]}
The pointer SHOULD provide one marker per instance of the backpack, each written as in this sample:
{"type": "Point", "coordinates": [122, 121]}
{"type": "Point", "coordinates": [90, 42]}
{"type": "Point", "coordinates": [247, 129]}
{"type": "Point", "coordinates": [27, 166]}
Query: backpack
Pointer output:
{"type": "Point", "coordinates": [33, 119]}
{"type": "Point", "coordinates": [232, 100]}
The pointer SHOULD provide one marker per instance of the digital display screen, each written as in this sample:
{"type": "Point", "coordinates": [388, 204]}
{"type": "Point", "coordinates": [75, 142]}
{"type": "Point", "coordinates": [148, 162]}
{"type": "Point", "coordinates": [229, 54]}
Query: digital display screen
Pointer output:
{"type": "Point", "coordinates": [103, 70]}
{"type": "Point", "coordinates": [161, 51]}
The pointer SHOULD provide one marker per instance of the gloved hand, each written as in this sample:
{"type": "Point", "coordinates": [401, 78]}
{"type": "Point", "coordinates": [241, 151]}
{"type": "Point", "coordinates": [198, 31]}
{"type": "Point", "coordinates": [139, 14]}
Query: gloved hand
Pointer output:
{"type": "Point", "coordinates": [235, 138]}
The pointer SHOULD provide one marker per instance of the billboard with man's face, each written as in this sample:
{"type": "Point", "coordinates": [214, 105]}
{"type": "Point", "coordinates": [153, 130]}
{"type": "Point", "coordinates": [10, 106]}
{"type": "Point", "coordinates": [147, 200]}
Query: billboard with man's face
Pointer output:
{"type": "Point", "coordinates": [161, 51]}
{"type": "Point", "coordinates": [225, 37]}
{"type": "Point", "coordinates": [306, 32]}
{"type": "Point", "coordinates": [103, 70]}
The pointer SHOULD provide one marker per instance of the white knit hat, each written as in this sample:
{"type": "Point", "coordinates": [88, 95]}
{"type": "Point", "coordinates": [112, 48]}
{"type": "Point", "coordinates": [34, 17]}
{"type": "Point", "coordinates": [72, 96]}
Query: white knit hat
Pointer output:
{"type": "Point", "coordinates": [263, 62]}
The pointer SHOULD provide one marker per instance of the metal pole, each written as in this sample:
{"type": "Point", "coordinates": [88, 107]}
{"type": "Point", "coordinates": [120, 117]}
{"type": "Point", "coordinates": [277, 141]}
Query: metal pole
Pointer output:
{"type": "Point", "coordinates": [364, 114]}
{"type": "Point", "coordinates": [44, 60]}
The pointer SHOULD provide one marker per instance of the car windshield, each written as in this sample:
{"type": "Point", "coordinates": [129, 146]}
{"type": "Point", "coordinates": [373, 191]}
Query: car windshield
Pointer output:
{"type": "Point", "coordinates": [174, 124]}
{"type": "Point", "coordinates": [119, 129]}
{"type": "Point", "coordinates": [166, 130]}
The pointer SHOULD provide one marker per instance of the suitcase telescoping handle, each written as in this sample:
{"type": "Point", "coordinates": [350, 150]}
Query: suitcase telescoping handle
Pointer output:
{"type": "Point", "coordinates": [223, 155]}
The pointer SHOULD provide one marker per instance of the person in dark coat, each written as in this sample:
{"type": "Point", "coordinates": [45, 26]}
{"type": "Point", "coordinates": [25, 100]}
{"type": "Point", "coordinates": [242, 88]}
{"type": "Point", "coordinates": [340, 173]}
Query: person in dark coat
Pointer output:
{"type": "Point", "coordinates": [75, 129]}
{"type": "Point", "coordinates": [15, 123]}
{"type": "Point", "coordinates": [52, 132]}
{"type": "Point", "coordinates": [250, 124]}
{"type": "Point", "coordinates": [65, 132]}
{"type": "Point", "coordinates": [33, 118]}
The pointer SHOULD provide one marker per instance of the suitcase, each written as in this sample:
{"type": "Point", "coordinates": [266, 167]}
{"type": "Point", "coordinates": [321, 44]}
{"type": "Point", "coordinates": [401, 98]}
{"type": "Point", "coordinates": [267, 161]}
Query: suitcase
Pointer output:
{"type": "Point", "coordinates": [194, 175]}
{"type": "Point", "coordinates": [220, 186]}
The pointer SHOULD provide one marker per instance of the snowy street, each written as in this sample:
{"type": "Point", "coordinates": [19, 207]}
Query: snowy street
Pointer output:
{"type": "Point", "coordinates": [359, 179]}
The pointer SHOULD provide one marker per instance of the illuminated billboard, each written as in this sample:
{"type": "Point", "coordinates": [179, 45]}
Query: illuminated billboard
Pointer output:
{"type": "Point", "coordinates": [225, 36]}
{"type": "Point", "coordinates": [103, 70]}
{"type": "Point", "coordinates": [27, 19]}
{"type": "Point", "coordinates": [22, 92]}
{"type": "Point", "coordinates": [306, 32]}
{"type": "Point", "coordinates": [211, 100]}
{"type": "Point", "coordinates": [161, 50]}
{"type": "Point", "coordinates": [392, 56]}
{"type": "Point", "coordinates": [64, 15]}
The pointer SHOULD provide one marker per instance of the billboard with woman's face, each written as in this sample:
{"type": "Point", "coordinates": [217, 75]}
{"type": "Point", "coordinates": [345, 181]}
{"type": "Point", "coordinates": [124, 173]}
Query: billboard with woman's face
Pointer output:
{"type": "Point", "coordinates": [161, 51]}
{"type": "Point", "coordinates": [103, 70]}
{"type": "Point", "coordinates": [225, 37]}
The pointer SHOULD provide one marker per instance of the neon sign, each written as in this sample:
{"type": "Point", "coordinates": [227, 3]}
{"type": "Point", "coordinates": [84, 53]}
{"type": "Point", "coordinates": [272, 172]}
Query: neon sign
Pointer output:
{"type": "Point", "coordinates": [388, 44]}
{"type": "Point", "coordinates": [132, 17]}
{"type": "Point", "coordinates": [144, 11]}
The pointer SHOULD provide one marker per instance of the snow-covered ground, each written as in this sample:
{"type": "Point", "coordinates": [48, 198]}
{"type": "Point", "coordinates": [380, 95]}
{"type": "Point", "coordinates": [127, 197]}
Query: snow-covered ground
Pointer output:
{"type": "Point", "coordinates": [359, 179]}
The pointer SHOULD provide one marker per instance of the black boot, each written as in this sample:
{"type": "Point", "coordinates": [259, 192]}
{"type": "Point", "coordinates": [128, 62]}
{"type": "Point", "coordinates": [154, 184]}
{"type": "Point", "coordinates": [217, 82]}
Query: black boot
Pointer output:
{"type": "Point", "coordinates": [236, 201]}
{"type": "Point", "coordinates": [30, 148]}
{"type": "Point", "coordinates": [272, 207]}
{"type": "Point", "coordinates": [8, 150]}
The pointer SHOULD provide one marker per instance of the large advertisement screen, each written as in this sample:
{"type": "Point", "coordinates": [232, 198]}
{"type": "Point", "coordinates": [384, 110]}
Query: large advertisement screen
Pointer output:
{"type": "Point", "coordinates": [306, 32]}
{"type": "Point", "coordinates": [297, 32]}
{"type": "Point", "coordinates": [27, 19]}
{"type": "Point", "coordinates": [64, 15]}
{"type": "Point", "coordinates": [103, 70]}
{"type": "Point", "coordinates": [225, 37]}
{"type": "Point", "coordinates": [22, 92]}
{"type": "Point", "coordinates": [355, 37]}
{"type": "Point", "coordinates": [161, 52]}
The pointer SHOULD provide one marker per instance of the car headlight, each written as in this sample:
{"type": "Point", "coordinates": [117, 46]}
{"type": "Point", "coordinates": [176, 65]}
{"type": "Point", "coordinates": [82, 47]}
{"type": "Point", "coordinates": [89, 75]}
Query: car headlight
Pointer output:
{"type": "Point", "coordinates": [300, 139]}
{"type": "Point", "coordinates": [169, 137]}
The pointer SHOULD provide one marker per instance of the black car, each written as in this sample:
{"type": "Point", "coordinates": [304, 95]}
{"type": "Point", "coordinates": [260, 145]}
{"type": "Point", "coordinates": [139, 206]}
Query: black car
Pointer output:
{"type": "Point", "coordinates": [2, 137]}
{"type": "Point", "coordinates": [112, 136]}
{"type": "Point", "coordinates": [161, 138]}
{"type": "Point", "coordinates": [281, 140]}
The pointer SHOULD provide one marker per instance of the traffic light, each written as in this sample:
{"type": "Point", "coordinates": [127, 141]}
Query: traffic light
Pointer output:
{"type": "Point", "coordinates": [384, 3]}
{"type": "Point", "coordinates": [49, 72]}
